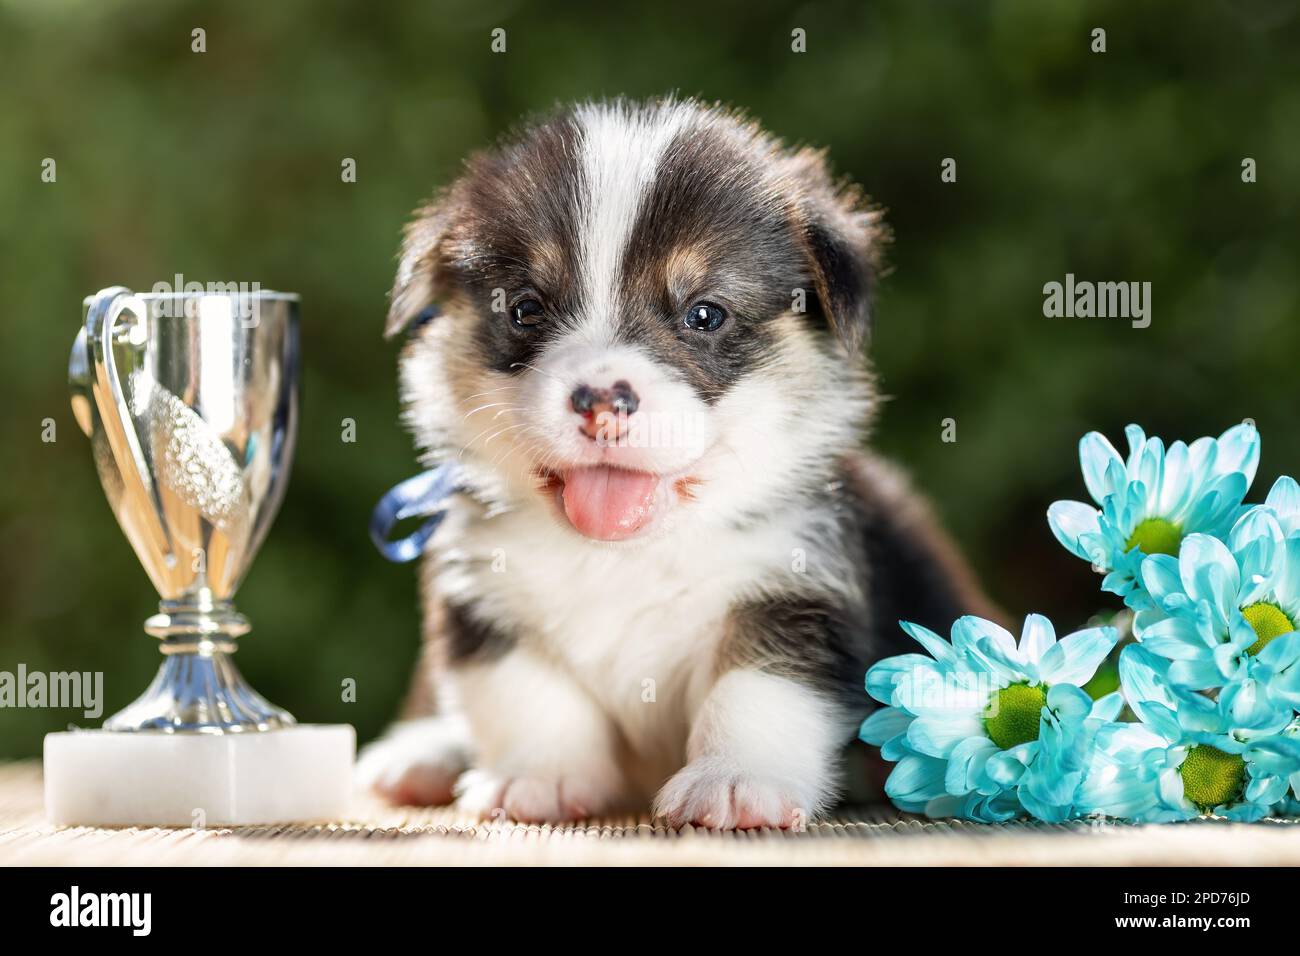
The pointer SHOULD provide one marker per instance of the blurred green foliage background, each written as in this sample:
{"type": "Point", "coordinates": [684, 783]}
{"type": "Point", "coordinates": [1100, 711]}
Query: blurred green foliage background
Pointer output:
{"type": "Point", "coordinates": [225, 166]}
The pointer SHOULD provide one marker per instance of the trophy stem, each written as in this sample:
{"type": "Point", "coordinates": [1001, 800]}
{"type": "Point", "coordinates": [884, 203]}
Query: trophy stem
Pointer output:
{"type": "Point", "coordinates": [198, 688]}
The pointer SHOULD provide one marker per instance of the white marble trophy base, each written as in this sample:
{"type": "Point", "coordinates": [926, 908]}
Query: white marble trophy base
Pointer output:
{"type": "Point", "coordinates": [106, 778]}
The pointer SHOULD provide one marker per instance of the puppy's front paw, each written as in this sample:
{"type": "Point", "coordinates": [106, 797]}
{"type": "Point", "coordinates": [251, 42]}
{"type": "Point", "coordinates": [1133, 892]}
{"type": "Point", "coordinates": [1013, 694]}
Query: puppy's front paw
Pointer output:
{"type": "Point", "coordinates": [416, 762]}
{"type": "Point", "coordinates": [531, 799]}
{"type": "Point", "coordinates": [714, 793]}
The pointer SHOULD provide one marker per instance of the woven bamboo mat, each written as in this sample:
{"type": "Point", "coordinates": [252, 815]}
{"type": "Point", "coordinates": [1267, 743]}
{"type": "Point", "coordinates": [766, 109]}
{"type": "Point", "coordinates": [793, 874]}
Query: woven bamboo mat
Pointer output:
{"type": "Point", "coordinates": [378, 835]}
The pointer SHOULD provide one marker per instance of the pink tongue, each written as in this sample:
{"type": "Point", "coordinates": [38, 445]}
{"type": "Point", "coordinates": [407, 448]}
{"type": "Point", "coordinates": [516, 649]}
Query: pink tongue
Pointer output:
{"type": "Point", "coordinates": [609, 504]}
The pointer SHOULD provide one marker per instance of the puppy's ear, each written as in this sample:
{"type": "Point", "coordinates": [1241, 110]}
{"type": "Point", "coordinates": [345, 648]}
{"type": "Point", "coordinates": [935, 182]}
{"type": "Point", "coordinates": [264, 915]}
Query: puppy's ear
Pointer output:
{"type": "Point", "coordinates": [841, 235]}
{"type": "Point", "coordinates": [421, 277]}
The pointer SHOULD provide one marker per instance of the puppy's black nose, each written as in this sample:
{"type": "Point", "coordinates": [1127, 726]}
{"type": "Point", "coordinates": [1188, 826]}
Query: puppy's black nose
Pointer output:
{"type": "Point", "coordinates": [583, 399]}
{"type": "Point", "coordinates": [605, 411]}
{"type": "Point", "coordinates": [619, 398]}
{"type": "Point", "coordinates": [623, 398]}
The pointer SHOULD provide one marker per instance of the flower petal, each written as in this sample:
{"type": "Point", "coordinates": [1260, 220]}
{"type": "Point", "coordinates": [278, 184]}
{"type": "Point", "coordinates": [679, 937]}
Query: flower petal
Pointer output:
{"type": "Point", "coordinates": [1096, 455]}
{"type": "Point", "coordinates": [1036, 637]}
{"type": "Point", "coordinates": [1284, 498]}
{"type": "Point", "coordinates": [1075, 658]}
{"type": "Point", "coordinates": [1239, 451]}
{"type": "Point", "coordinates": [1161, 578]}
{"type": "Point", "coordinates": [1177, 487]}
{"type": "Point", "coordinates": [1146, 688]}
{"type": "Point", "coordinates": [884, 675]}
{"type": "Point", "coordinates": [966, 764]}
{"type": "Point", "coordinates": [1072, 522]}
{"type": "Point", "coordinates": [1196, 675]}
{"type": "Point", "coordinates": [1178, 639]}
{"type": "Point", "coordinates": [1006, 767]}
{"type": "Point", "coordinates": [1286, 580]}
{"type": "Point", "coordinates": [1108, 707]}
{"type": "Point", "coordinates": [937, 736]}
{"type": "Point", "coordinates": [1068, 702]}
{"type": "Point", "coordinates": [1209, 571]}
{"type": "Point", "coordinates": [915, 780]}
{"type": "Point", "coordinates": [939, 649]}
{"type": "Point", "coordinates": [1250, 711]}
{"type": "Point", "coordinates": [884, 723]}
{"type": "Point", "coordinates": [1281, 653]}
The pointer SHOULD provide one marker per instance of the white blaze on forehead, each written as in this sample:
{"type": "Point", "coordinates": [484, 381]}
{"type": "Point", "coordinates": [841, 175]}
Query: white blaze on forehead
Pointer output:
{"type": "Point", "coordinates": [621, 149]}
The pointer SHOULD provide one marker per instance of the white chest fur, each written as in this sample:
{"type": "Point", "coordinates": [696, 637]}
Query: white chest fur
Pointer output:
{"type": "Point", "coordinates": [637, 626]}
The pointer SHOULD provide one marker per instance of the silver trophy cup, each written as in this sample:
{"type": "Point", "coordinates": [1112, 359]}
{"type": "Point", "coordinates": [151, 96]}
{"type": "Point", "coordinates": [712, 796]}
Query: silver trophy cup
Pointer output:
{"type": "Point", "coordinates": [190, 403]}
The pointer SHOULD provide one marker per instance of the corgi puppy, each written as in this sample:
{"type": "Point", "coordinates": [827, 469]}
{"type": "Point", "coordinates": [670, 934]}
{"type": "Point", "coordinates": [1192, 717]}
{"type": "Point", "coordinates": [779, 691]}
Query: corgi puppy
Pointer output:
{"type": "Point", "coordinates": [671, 561]}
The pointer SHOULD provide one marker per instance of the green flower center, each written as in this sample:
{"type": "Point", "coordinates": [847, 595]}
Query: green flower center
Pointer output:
{"type": "Point", "coordinates": [1212, 777]}
{"type": "Point", "coordinates": [1155, 536]}
{"type": "Point", "coordinates": [1268, 621]}
{"type": "Point", "coordinates": [1013, 714]}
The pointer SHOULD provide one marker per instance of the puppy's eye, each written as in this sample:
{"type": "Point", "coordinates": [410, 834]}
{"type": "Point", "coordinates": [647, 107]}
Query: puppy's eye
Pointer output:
{"type": "Point", "coordinates": [705, 317]}
{"type": "Point", "coordinates": [526, 314]}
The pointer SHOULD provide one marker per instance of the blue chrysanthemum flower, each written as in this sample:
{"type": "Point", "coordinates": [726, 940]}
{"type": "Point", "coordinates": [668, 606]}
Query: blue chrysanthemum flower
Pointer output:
{"type": "Point", "coordinates": [964, 724]}
{"type": "Point", "coordinates": [1225, 610]}
{"type": "Point", "coordinates": [1048, 785]}
{"type": "Point", "coordinates": [1149, 503]}
{"type": "Point", "coordinates": [1189, 755]}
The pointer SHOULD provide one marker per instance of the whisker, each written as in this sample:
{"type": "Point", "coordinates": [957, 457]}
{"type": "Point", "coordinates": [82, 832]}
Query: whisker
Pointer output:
{"type": "Point", "coordinates": [490, 391]}
{"type": "Point", "coordinates": [539, 371]}
{"type": "Point", "coordinates": [470, 444]}
{"type": "Point", "coordinates": [475, 411]}
{"type": "Point", "coordinates": [503, 431]}
{"type": "Point", "coordinates": [505, 452]}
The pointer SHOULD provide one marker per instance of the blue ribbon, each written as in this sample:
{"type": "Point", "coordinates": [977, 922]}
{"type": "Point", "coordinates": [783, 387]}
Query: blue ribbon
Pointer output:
{"type": "Point", "coordinates": [424, 317]}
{"type": "Point", "coordinates": [424, 494]}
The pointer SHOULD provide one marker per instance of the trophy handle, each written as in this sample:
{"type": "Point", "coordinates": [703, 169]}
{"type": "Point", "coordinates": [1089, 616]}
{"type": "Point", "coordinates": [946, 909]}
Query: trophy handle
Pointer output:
{"type": "Point", "coordinates": [79, 383]}
{"type": "Point", "coordinates": [142, 516]}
